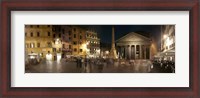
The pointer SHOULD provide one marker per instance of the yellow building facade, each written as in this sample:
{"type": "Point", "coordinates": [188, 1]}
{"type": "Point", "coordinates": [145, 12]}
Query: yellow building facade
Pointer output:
{"type": "Point", "coordinates": [38, 39]}
{"type": "Point", "coordinates": [60, 39]}
{"type": "Point", "coordinates": [78, 41]}
{"type": "Point", "coordinates": [81, 41]}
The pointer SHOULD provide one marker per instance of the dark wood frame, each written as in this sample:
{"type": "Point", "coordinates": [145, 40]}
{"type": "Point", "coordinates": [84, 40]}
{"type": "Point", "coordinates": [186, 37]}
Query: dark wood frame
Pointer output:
{"type": "Point", "coordinates": [99, 5]}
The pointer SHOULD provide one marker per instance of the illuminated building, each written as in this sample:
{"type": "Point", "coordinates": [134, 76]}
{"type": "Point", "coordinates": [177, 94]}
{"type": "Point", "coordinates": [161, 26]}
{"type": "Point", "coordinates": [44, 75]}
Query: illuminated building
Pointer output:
{"type": "Point", "coordinates": [66, 40]}
{"type": "Point", "coordinates": [57, 42]}
{"type": "Point", "coordinates": [134, 46]}
{"type": "Point", "coordinates": [78, 41]}
{"type": "Point", "coordinates": [61, 41]}
{"type": "Point", "coordinates": [168, 42]}
{"type": "Point", "coordinates": [93, 44]}
{"type": "Point", "coordinates": [38, 39]}
{"type": "Point", "coordinates": [43, 40]}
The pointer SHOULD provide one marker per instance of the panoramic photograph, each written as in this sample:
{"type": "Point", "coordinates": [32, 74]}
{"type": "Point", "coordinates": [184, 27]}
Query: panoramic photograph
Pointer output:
{"type": "Point", "coordinates": [99, 48]}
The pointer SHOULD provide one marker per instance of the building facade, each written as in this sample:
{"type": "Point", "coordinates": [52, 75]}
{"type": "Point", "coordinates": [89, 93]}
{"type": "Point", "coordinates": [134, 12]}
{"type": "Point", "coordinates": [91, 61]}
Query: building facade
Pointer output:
{"type": "Point", "coordinates": [168, 42]}
{"type": "Point", "coordinates": [167, 38]}
{"type": "Point", "coordinates": [93, 44]}
{"type": "Point", "coordinates": [66, 41]}
{"type": "Point", "coordinates": [133, 46]}
{"type": "Point", "coordinates": [77, 41]}
{"type": "Point", "coordinates": [83, 42]}
{"type": "Point", "coordinates": [62, 40]}
{"type": "Point", "coordinates": [38, 39]}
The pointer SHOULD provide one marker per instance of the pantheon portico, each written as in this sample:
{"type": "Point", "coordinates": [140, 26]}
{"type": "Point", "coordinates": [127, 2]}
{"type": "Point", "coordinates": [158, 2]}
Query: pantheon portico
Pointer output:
{"type": "Point", "coordinates": [133, 46]}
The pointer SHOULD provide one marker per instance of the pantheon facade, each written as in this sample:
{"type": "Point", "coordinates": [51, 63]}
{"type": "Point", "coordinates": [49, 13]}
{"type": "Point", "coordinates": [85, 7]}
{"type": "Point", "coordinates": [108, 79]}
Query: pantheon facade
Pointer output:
{"type": "Point", "coordinates": [133, 46]}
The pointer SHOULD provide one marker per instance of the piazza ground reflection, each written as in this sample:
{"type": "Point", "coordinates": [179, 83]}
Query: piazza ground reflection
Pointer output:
{"type": "Point", "coordinates": [100, 66]}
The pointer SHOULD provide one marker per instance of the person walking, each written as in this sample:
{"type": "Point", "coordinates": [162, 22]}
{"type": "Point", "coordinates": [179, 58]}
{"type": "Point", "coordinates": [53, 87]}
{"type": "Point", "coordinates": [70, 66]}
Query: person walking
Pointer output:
{"type": "Point", "coordinates": [80, 62]}
{"type": "Point", "coordinates": [77, 62]}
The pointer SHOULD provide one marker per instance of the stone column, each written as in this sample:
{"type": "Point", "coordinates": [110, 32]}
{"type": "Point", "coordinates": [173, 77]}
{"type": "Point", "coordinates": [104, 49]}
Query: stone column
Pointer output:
{"type": "Point", "coordinates": [145, 54]}
{"type": "Point", "coordinates": [148, 49]}
{"type": "Point", "coordinates": [129, 51]}
{"type": "Point", "coordinates": [140, 51]}
{"type": "Point", "coordinates": [121, 51]}
{"type": "Point", "coordinates": [135, 51]}
{"type": "Point", "coordinates": [125, 52]}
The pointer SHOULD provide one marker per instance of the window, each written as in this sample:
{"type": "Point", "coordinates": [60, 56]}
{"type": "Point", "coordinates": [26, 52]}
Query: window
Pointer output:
{"type": "Point", "coordinates": [81, 50]}
{"type": "Point", "coordinates": [75, 49]}
{"type": "Point", "coordinates": [31, 26]}
{"type": "Point", "coordinates": [54, 49]}
{"type": "Point", "coordinates": [38, 26]}
{"type": "Point", "coordinates": [75, 43]}
{"type": "Point", "coordinates": [25, 34]}
{"type": "Point", "coordinates": [70, 46]}
{"type": "Point", "coordinates": [59, 35]}
{"type": "Point", "coordinates": [69, 32]}
{"type": "Point", "coordinates": [74, 35]}
{"type": "Point", "coordinates": [48, 25]}
{"type": "Point", "coordinates": [31, 34]}
{"type": "Point", "coordinates": [69, 38]}
{"type": "Point", "coordinates": [49, 34]}
{"type": "Point", "coordinates": [49, 44]}
{"type": "Point", "coordinates": [41, 54]}
{"type": "Point", "coordinates": [54, 35]}
{"type": "Point", "coordinates": [63, 31]}
{"type": "Point", "coordinates": [80, 37]}
{"type": "Point", "coordinates": [38, 34]}
{"type": "Point", "coordinates": [32, 45]}
{"type": "Point", "coordinates": [27, 45]}
{"type": "Point", "coordinates": [63, 46]}
{"type": "Point", "coordinates": [38, 45]}
{"type": "Point", "coordinates": [74, 29]}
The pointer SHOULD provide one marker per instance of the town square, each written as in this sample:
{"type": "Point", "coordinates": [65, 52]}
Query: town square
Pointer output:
{"type": "Point", "coordinates": [99, 48]}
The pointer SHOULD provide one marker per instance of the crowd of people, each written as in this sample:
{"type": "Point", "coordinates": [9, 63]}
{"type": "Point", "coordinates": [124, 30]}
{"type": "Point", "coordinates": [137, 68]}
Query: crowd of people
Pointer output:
{"type": "Point", "coordinates": [98, 64]}
{"type": "Point", "coordinates": [90, 64]}
{"type": "Point", "coordinates": [163, 66]}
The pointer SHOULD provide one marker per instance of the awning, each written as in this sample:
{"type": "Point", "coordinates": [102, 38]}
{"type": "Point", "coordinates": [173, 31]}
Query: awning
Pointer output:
{"type": "Point", "coordinates": [32, 54]}
{"type": "Point", "coordinates": [169, 53]}
{"type": "Point", "coordinates": [166, 53]}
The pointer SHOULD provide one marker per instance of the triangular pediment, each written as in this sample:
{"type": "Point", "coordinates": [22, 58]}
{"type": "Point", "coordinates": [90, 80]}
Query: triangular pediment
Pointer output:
{"type": "Point", "coordinates": [133, 37]}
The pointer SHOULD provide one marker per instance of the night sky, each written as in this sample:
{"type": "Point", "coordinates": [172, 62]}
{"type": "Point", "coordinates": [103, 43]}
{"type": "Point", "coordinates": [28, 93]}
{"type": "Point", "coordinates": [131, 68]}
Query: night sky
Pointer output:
{"type": "Point", "coordinates": [105, 31]}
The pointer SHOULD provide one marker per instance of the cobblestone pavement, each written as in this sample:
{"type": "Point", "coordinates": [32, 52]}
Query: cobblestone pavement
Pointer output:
{"type": "Point", "coordinates": [139, 66]}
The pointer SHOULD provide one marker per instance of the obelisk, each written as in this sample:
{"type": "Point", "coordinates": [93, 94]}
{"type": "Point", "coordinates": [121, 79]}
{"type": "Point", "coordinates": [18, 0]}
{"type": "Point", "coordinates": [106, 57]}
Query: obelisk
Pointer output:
{"type": "Point", "coordinates": [113, 53]}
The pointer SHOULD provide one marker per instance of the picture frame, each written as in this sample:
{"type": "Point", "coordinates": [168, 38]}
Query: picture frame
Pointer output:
{"type": "Point", "coordinates": [104, 5]}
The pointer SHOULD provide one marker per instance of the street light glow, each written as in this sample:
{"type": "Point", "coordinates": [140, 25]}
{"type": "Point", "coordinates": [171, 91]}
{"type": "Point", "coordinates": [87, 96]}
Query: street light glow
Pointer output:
{"type": "Point", "coordinates": [168, 41]}
{"type": "Point", "coordinates": [32, 57]}
{"type": "Point", "coordinates": [165, 36]}
{"type": "Point", "coordinates": [57, 41]}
